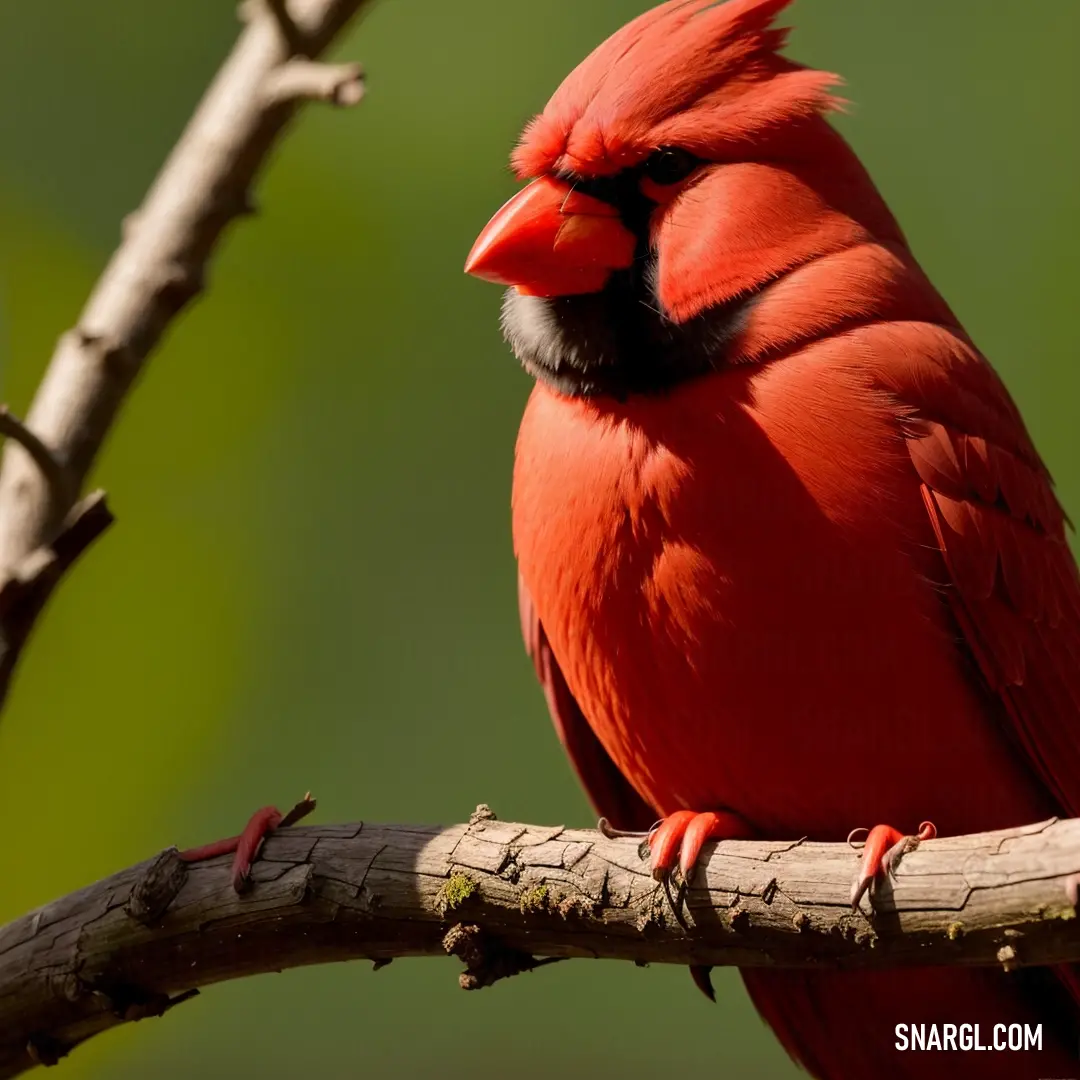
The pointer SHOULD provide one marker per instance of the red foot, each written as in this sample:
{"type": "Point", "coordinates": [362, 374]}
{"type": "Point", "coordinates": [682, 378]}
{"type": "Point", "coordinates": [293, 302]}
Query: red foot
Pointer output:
{"type": "Point", "coordinates": [881, 849]}
{"type": "Point", "coordinates": [685, 833]}
{"type": "Point", "coordinates": [248, 844]}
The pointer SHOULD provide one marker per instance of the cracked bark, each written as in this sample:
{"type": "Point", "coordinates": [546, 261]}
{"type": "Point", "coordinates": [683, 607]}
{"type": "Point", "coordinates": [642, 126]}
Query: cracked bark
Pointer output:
{"type": "Point", "coordinates": [501, 895]}
{"type": "Point", "coordinates": [157, 271]}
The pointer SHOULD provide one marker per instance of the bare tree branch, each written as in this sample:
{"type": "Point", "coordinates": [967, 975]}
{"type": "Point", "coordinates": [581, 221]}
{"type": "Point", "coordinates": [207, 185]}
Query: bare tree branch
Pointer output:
{"type": "Point", "coordinates": [157, 270]}
{"type": "Point", "coordinates": [501, 895]}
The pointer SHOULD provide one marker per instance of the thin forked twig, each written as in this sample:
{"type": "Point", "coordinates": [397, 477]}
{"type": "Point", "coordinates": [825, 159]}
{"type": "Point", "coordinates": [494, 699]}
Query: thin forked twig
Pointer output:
{"type": "Point", "coordinates": [56, 476]}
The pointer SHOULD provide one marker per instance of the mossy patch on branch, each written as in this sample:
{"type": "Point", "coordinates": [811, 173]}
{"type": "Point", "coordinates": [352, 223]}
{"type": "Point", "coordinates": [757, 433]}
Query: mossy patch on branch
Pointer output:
{"type": "Point", "coordinates": [535, 899]}
{"type": "Point", "coordinates": [457, 889]}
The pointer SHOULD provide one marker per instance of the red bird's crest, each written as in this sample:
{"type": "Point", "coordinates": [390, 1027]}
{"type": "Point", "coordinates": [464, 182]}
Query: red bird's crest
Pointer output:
{"type": "Point", "coordinates": [698, 74]}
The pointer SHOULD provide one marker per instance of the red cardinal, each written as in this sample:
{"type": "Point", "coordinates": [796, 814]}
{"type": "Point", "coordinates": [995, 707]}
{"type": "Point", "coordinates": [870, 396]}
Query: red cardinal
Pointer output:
{"type": "Point", "coordinates": [789, 560]}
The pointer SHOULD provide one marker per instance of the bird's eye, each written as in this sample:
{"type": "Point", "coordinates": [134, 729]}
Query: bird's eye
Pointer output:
{"type": "Point", "coordinates": [669, 165]}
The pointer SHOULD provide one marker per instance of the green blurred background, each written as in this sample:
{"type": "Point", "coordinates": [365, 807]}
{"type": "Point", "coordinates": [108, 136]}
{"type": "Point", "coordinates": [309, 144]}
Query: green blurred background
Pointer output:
{"type": "Point", "coordinates": [311, 583]}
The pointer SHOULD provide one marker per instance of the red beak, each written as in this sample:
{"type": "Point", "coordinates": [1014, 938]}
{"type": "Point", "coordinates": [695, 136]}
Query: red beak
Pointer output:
{"type": "Point", "coordinates": [550, 240]}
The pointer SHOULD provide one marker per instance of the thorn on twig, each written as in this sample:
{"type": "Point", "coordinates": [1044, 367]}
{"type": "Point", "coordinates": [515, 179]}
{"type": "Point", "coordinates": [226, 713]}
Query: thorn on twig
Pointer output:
{"type": "Point", "coordinates": [300, 811]}
{"type": "Point", "coordinates": [56, 476]}
{"type": "Point", "coordinates": [131, 1003]}
{"type": "Point", "coordinates": [184, 995]}
{"type": "Point", "coordinates": [301, 79]}
{"type": "Point", "coordinates": [85, 522]}
{"type": "Point", "coordinates": [486, 959]}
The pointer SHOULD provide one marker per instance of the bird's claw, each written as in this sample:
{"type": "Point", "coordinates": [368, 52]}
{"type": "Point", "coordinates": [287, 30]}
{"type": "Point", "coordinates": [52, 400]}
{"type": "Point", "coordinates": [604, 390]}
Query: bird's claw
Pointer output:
{"type": "Point", "coordinates": [680, 837]}
{"type": "Point", "coordinates": [882, 850]}
{"type": "Point", "coordinates": [676, 843]}
{"type": "Point", "coordinates": [702, 976]}
{"type": "Point", "coordinates": [248, 844]}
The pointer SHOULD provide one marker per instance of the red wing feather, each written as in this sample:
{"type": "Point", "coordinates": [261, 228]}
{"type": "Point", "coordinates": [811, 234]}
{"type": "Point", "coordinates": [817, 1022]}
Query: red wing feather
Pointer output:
{"type": "Point", "coordinates": [608, 790]}
{"type": "Point", "coordinates": [1015, 590]}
